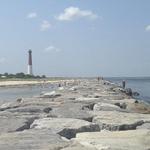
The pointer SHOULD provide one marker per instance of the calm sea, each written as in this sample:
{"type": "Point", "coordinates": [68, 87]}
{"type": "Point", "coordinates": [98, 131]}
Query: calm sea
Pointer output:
{"type": "Point", "coordinates": [13, 93]}
{"type": "Point", "coordinates": [140, 85]}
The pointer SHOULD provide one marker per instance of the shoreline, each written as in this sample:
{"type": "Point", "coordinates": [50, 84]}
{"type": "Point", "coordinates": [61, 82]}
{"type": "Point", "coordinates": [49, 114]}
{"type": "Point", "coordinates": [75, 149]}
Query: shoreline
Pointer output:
{"type": "Point", "coordinates": [11, 83]}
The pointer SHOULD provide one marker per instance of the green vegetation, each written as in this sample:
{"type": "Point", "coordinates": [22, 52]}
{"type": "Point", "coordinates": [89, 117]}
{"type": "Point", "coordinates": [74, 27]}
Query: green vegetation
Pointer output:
{"type": "Point", "coordinates": [20, 75]}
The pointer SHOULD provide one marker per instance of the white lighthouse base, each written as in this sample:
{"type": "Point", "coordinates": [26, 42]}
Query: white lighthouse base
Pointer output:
{"type": "Point", "coordinates": [30, 71]}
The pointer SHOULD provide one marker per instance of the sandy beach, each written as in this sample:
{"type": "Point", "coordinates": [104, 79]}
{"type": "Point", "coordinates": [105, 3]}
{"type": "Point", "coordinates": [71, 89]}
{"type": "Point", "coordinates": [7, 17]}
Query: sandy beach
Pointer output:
{"type": "Point", "coordinates": [26, 82]}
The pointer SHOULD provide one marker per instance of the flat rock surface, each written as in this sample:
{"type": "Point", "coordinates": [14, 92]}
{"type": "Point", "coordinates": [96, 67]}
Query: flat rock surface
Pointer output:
{"type": "Point", "coordinates": [114, 120]}
{"type": "Point", "coordinates": [119, 140]}
{"type": "Point", "coordinates": [31, 140]}
{"type": "Point", "coordinates": [67, 127]}
{"type": "Point", "coordinates": [144, 126]}
{"type": "Point", "coordinates": [10, 122]}
{"type": "Point", "coordinates": [71, 110]}
{"type": "Point", "coordinates": [106, 107]}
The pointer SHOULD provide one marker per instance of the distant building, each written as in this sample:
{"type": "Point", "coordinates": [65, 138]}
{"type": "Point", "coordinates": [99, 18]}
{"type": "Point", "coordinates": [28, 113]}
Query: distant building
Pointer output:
{"type": "Point", "coordinates": [30, 69]}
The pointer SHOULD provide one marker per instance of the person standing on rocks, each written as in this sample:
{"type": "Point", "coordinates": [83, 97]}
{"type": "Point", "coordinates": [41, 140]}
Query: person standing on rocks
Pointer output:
{"type": "Point", "coordinates": [123, 84]}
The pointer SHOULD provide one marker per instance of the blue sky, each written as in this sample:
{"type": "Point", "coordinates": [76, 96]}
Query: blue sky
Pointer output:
{"type": "Point", "coordinates": [76, 37]}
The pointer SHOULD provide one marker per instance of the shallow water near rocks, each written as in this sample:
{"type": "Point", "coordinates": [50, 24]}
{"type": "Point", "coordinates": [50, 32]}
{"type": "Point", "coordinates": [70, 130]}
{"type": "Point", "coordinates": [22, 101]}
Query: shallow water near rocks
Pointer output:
{"type": "Point", "coordinates": [140, 85]}
{"type": "Point", "coordinates": [13, 93]}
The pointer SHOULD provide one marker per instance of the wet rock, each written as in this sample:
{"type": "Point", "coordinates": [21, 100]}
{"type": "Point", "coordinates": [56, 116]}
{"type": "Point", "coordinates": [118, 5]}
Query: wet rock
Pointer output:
{"type": "Point", "coordinates": [122, 140]}
{"type": "Point", "coordinates": [136, 94]}
{"type": "Point", "coordinates": [66, 127]}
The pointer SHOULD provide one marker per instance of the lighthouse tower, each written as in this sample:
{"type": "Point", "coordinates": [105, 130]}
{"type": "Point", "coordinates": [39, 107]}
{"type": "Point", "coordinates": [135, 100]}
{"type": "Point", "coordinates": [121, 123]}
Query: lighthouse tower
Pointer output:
{"type": "Point", "coordinates": [30, 71]}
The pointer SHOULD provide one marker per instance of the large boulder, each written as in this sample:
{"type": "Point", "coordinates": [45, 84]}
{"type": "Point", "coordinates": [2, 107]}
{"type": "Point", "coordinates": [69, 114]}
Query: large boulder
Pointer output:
{"type": "Point", "coordinates": [66, 127]}
{"type": "Point", "coordinates": [144, 126]}
{"type": "Point", "coordinates": [114, 120]}
{"type": "Point", "coordinates": [71, 110]}
{"type": "Point", "coordinates": [119, 140]}
{"type": "Point", "coordinates": [106, 107]}
{"type": "Point", "coordinates": [12, 122]}
{"type": "Point", "coordinates": [32, 140]}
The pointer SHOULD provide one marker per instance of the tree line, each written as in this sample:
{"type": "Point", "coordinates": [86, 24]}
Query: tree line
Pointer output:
{"type": "Point", "coordinates": [21, 75]}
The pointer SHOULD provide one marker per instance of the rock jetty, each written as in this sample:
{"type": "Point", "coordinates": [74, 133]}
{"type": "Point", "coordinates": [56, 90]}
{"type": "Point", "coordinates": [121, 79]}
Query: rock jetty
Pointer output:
{"type": "Point", "coordinates": [81, 114]}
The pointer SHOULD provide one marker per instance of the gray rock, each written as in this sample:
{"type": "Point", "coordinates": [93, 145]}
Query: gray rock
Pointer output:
{"type": "Point", "coordinates": [71, 110]}
{"type": "Point", "coordinates": [106, 107]}
{"type": "Point", "coordinates": [122, 140]}
{"type": "Point", "coordinates": [66, 127]}
{"type": "Point", "coordinates": [144, 126]}
{"type": "Point", "coordinates": [10, 122]}
{"type": "Point", "coordinates": [114, 120]}
{"type": "Point", "coordinates": [32, 140]}
{"type": "Point", "coordinates": [78, 146]}
{"type": "Point", "coordinates": [9, 105]}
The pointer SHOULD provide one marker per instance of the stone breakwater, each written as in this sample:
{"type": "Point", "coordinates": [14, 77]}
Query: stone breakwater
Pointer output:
{"type": "Point", "coordinates": [79, 115]}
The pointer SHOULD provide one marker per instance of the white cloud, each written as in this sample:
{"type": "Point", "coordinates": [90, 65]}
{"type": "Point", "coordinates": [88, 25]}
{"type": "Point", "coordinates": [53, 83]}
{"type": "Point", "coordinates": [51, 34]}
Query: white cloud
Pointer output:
{"type": "Point", "coordinates": [72, 13]}
{"type": "Point", "coordinates": [45, 25]}
{"type": "Point", "coordinates": [2, 60]}
{"type": "Point", "coordinates": [32, 15]}
{"type": "Point", "coordinates": [52, 49]}
{"type": "Point", "coordinates": [147, 28]}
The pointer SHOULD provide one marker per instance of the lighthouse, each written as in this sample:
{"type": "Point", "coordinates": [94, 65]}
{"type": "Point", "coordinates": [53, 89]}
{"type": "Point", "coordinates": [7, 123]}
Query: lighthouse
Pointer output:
{"type": "Point", "coordinates": [30, 71]}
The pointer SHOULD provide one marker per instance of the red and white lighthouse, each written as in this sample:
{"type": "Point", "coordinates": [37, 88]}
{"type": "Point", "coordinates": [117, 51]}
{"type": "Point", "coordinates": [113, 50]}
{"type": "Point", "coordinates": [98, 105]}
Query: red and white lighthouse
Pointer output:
{"type": "Point", "coordinates": [30, 71]}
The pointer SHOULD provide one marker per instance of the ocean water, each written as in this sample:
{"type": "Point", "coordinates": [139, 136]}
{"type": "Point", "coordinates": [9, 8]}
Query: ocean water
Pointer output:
{"type": "Point", "coordinates": [140, 85]}
{"type": "Point", "coordinates": [13, 93]}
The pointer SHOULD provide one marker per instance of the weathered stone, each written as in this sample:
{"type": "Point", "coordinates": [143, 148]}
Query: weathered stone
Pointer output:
{"type": "Point", "coordinates": [114, 120]}
{"type": "Point", "coordinates": [66, 127]}
{"type": "Point", "coordinates": [144, 126]}
{"type": "Point", "coordinates": [87, 99]}
{"type": "Point", "coordinates": [122, 140]}
{"type": "Point", "coordinates": [32, 140]}
{"type": "Point", "coordinates": [29, 109]}
{"type": "Point", "coordinates": [106, 107]}
{"type": "Point", "coordinates": [9, 105]}
{"type": "Point", "coordinates": [71, 110]}
{"type": "Point", "coordinates": [121, 105]}
{"type": "Point", "coordinates": [139, 107]}
{"type": "Point", "coordinates": [78, 146]}
{"type": "Point", "coordinates": [11, 122]}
